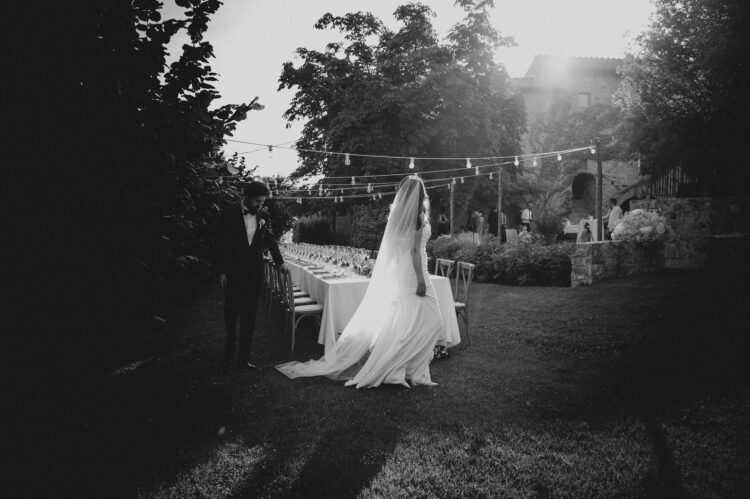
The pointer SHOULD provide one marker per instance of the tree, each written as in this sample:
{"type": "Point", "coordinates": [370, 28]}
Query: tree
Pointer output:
{"type": "Point", "coordinates": [687, 91]}
{"type": "Point", "coordinates": [403, 93]}
{"type": "Point", "coordinates": [125, 151]}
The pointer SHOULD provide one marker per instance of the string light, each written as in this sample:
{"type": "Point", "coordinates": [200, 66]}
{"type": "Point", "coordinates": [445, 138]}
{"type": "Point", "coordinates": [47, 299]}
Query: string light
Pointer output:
{"type": "Point", "coordinates": [369, 187]}
{"type": "Point", "coordinates": [593, 151]}
{"type": "Point", "coordinates": [380, 196]}
{"type": "Point", "coordinates": [534, 162]}
{"type": "Point", "coordinates": [282, 146]}
{"type": "Point", "coordinates": [490, 175]}
{"type": "Point", "coordinates": [347, 160]}
{"type": "Point", "coordinates": [476, 171]}
{"type": "Point", "coordinates": [453, 181]}
{"type": "Point", "coordinates": [462, 180]}
{"type": "Point", "coordinates": [559, 157]}
{"type": "Point", "coordinates": [411, 163]}
{"type": "Point", "coordinates": [515, 161]}
{"type": "Point", "coordinates": [468, 163]}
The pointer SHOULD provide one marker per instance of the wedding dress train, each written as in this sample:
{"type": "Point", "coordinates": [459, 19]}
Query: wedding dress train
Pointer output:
{"type": "Point", "coordinates": [395, 326]}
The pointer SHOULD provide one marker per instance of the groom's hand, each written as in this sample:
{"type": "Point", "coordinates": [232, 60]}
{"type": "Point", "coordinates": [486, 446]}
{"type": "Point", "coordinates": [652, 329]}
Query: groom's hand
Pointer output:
{"type": "Point", "coordinates": [223, 281]}
{"type": "Point", "coordinates": [421, 288]}
{"type": "Point", "coordinates": [282, 266]}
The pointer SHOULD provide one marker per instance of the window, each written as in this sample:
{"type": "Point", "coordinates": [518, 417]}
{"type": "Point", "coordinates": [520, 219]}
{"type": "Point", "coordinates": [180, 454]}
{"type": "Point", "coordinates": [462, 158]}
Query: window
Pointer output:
{"type": "Point", "coordinates": [584, 100]}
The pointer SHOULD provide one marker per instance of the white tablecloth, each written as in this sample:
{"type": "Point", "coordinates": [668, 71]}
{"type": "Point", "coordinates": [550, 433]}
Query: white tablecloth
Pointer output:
{"type": "Point", "coordinates": [340, 298]}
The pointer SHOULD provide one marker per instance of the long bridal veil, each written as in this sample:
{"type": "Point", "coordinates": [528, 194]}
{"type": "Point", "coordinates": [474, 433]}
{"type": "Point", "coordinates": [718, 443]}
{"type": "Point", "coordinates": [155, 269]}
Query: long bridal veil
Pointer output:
{"type": "Point", "coordinates": [390, 280]}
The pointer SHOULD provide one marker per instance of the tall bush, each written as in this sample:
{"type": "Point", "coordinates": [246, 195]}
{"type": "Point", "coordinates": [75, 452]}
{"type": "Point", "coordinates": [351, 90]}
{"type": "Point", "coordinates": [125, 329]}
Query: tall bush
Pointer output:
{"type": "Point", "coordinates": [368, 225]}
{"type": "Point", "coordinates": [519, 264]}
{"type": "Point", "coordinates": [314, 230]}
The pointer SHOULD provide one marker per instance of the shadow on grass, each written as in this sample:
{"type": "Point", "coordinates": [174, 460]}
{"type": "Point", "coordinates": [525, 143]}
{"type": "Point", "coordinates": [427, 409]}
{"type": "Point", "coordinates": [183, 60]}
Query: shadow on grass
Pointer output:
{"type": "Point", "coordinates": [116, 436]}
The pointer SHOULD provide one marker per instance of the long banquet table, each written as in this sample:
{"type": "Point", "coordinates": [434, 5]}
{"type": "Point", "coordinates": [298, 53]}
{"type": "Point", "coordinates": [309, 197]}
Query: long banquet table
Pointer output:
{"type": "Point", "coordinates": [341, 296]}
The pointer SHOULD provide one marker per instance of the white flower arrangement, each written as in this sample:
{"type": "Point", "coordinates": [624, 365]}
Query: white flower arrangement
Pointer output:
{"type": "Point", "coordinates": [641, 226]}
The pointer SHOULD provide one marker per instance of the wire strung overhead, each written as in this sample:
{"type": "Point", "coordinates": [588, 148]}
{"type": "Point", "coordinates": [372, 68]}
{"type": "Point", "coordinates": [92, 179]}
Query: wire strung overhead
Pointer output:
{"type": "Point", "coordinates": [349, 155]}
{"type": "Point", "coordinates": [374, 189]}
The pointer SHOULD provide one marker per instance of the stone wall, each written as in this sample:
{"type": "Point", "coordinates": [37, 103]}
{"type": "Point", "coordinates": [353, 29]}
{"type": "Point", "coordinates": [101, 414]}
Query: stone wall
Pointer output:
{"type": "Point", "coordinates": [599, 261]}
{"type": "Point", "coordinates": [691, 220]}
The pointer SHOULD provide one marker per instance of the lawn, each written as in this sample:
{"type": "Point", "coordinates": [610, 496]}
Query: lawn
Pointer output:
{"type": "Point", "coordinates": [635, 387]}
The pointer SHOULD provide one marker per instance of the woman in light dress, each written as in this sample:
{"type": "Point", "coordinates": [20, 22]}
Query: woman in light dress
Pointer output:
{"type": "Point", "coordinates": [391, 336]}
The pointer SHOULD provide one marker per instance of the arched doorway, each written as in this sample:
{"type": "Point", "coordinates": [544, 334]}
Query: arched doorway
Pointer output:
{"type": "Point", "coordinates": [584, 195]}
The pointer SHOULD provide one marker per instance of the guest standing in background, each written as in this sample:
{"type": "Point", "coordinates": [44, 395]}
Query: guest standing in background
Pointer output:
{"type": "Point", "coordinates": [613, 217]}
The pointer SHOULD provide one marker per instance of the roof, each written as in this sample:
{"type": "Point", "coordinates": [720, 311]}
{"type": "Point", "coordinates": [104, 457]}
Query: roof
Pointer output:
{"type": "Point", "coordinates": [599, 64]}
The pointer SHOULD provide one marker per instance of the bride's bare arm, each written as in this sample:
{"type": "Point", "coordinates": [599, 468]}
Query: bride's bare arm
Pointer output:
{"type": "Point", "coordinates": [416, 260]}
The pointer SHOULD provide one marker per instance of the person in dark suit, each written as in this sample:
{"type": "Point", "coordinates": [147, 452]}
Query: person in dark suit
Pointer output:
{"type": "Point", "coordinates": [244, 235]}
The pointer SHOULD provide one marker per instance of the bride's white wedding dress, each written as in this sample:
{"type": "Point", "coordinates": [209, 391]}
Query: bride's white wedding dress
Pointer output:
{"type": "Point", "coordinates": [395, 326]}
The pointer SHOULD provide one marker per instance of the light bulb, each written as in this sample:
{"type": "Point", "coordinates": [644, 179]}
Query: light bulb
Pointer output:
{"type": "Point", "coordinates": [411, 163]}
{"type": "Point", "coordinates": [299, 200]}
{"type": "Point", "coordinates": [534, 162]}
{"type": "Point", "coordinates": [462, 180]}
{"type": "Point", "coordinates": [468, 163]}
{"type": "Point", "coordinates": [476, 170]}
{"type": "Point", "coordinates": [380, 196]}
{"type": "Point", "coordinates": [593, 151]}
{"type": "Point", "coordinates": [453, 181]}
{"type": "Point", "coordinates": [347, 160]}
{"type": "Point", "coordinates": [353, 181]}
{"type": "Point", "coordinates": [369, 187]}
{"type": "Point", "coordinates": [515, 161]}
{"type": "Point", "coordinates": [490, 175]}
{"type": "Point", "coordinates": [559, 157]}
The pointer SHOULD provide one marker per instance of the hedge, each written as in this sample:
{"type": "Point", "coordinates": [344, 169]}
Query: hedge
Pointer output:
{"type": "Point", "coordinates": [520, 264]}
{"type": "Point", "coordinates": [368, 225]}
{"type": "Point", "coordinates": [315, 230]}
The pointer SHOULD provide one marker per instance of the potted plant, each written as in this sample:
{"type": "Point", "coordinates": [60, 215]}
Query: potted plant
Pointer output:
{"type": "Point", "coordinates": [549, 226]}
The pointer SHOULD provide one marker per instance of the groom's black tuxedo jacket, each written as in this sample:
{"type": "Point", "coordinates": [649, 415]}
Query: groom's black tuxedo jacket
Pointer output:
{"type": "Point", "coordinates": [235, 257]}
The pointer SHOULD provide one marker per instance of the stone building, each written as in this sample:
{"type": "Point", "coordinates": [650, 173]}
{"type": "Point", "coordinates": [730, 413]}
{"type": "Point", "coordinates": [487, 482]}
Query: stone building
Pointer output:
{"type": "Point", "coordinates": [553, 89]}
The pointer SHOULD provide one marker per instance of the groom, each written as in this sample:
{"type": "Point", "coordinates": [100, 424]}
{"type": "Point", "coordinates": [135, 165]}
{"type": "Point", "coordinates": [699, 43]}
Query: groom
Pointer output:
{"type": "Point", "coordinates": [244, 235]}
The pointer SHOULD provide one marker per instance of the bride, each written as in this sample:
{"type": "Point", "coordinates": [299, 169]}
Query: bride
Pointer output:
{"type": "Point", "coordinates": [391, 336]}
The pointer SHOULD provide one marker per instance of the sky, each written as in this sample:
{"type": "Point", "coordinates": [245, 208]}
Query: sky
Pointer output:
{"type": "Point", "coordinates": [253, 38]}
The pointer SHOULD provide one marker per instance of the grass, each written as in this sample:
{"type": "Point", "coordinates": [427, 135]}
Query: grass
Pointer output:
{"type": "Point", "coordinates": [635, 387]}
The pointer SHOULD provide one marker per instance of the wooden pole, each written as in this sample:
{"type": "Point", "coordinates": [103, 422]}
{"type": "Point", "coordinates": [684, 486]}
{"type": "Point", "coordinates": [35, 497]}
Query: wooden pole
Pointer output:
{"type": "Point", "coordinates": [499, 205]}
{"type": "Point", "coordinates": [452, 186]}
{"type": "Point", "coordinates": [599, 186]}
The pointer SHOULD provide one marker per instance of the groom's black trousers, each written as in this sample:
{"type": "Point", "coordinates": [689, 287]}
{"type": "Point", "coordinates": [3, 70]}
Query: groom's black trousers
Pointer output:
{"type": "Point", "coordinates": [241, 303]}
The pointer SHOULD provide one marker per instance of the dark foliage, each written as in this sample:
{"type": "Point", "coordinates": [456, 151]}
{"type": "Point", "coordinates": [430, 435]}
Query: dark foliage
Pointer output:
{"type": "Point", "coordinates": [315, 230]}
{"type": "Point", "coordinates": [520, 264]}
{"type": "Point", "coordinates": [123, 157]}
{"type": "Point", "coordinates": [687, 92]}
{"type": "Point", "coordinates": [368, 225]}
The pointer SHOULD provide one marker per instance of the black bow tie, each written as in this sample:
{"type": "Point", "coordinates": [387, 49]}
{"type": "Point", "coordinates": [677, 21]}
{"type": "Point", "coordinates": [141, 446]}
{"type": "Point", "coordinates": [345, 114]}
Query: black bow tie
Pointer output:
{"type": "Point", "coordinates": [245, 211]}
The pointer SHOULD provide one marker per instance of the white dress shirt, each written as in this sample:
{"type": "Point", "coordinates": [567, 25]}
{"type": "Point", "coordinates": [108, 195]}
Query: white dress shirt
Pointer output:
{"type": "Point", "coordinates": [251, 224]}
{"type": "Point", "coordinates": [615, 214]}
